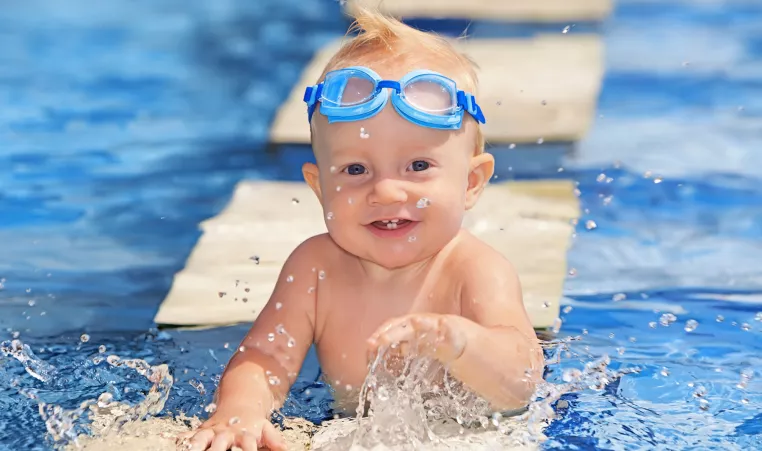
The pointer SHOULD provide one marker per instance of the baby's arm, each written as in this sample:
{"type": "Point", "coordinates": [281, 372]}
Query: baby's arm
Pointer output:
{"type": "Point", "coordinates": [258, 377]}
{"type": "Point", "coordinates": [502, 359]}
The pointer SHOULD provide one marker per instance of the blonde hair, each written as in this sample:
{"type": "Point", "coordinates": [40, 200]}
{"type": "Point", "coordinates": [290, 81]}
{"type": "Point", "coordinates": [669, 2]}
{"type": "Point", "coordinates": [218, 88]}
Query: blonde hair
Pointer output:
{"type": "Point", "coordinates": [384, 40]}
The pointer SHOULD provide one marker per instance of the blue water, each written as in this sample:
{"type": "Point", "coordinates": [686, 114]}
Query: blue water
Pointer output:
{"type": "Point", "coordinates": [122, 127]}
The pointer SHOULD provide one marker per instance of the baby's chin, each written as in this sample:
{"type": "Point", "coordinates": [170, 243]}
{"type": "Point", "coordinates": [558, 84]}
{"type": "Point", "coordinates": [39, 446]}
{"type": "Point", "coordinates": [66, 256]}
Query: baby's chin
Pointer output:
{"type": "Point", "coordinates": [389, 255]}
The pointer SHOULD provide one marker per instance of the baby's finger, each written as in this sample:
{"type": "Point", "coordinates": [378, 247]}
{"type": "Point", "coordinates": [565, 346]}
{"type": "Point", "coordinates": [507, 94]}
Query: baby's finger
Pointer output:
{"type": "Point", "coordinates": [200, 440]}
{"type": "Point", "coordinates": [400, 333]}
{"type": "Point", "coordinates": [388, 325]}
{"type": "Point", "coordinates": [247, 441]}
{"type": "Point", "coordinates": [272, 439]}
{"type": "Point", "coordinates": [223, 441]}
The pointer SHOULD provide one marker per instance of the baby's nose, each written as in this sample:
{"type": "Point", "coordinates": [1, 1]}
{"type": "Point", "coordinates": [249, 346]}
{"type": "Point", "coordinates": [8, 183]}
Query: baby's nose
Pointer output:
{"type": "Point", "coordinates": [386, 192]}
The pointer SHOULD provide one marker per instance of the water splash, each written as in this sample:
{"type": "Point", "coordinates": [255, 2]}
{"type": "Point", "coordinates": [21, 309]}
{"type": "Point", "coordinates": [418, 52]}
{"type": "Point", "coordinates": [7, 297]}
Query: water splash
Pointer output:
{"type": "Point", "coordinates": [36, 368]}
{"type": "Point", "coordinates": [414, 403]}
{"type": "Point", "coordinates": [98, 416]}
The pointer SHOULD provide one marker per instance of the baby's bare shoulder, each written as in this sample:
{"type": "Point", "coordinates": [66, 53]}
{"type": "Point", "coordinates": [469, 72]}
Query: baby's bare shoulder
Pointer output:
{"type": "Point", "coordinates": [473, 254]}
{"type": "Point", "coordinates": [314, 250]}
{"type": "Point", "coordinates": [479, 267]}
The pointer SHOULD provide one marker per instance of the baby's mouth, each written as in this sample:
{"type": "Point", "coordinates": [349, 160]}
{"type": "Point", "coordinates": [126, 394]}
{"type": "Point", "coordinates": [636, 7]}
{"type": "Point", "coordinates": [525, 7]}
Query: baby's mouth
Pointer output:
{"type": "Point", "coordinates": [391, 224]}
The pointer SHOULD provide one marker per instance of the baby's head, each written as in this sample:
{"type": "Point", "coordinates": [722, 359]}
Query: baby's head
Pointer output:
{"type": "Point", "coordinates": [396, 179]}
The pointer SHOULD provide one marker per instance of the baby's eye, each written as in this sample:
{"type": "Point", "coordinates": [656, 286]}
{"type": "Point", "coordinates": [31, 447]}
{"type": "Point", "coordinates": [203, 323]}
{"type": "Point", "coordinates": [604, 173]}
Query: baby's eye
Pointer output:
{"type": "Point", "coordinates": [418, 165]}
{"type": "Point", "coordinates": [355, 169]}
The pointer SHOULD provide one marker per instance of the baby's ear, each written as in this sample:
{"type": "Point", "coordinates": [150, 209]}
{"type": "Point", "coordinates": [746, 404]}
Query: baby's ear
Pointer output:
{"type": "Point", "coordinates": [312, 177]}
{"type": "Point", "coordinates": [481, 169]}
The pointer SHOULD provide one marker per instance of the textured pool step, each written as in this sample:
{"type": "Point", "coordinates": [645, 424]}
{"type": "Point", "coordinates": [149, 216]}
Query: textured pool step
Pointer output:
{"type": "Point", "coordinates": [542, 88]}
{"type": "Point", "coordinates": [232, 270]}
{"type": "Point", "coordinates": [503, 10]}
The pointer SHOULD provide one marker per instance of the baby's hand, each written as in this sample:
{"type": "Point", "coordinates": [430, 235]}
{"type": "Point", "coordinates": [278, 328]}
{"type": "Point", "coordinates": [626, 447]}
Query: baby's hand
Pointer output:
{"type": "Point", "coordinates": [219, 433]}
{"type": "Point", "coordinates": [425, 334]}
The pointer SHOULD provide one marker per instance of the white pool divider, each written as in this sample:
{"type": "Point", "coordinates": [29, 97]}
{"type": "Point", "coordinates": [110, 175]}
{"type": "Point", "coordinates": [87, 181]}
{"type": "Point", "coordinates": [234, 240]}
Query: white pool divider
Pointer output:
{"type": "Point", "coordinates": [232, 270]}
{"type": "Point", "coordinates": [542, 88]}
{"type": "Point", "coordinates": [501, 10]}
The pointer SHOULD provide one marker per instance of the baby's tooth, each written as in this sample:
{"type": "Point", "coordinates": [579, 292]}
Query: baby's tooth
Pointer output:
{"type": "Point", "coordinates": [395, 220]}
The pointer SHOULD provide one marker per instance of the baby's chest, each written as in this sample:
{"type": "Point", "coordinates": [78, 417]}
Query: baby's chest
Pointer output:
{"type": "Point", "coordinates": [350, 316]}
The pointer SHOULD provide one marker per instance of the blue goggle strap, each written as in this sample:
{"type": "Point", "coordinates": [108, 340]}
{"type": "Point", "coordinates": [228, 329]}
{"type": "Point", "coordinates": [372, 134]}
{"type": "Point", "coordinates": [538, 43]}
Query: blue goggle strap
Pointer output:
{"type": "Point", "coordinates": [468, 103]}
{"type": "Point", "coordinates": [311, 97]}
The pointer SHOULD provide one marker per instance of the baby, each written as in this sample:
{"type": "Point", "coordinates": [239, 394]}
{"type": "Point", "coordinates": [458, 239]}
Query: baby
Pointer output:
{"type": "Point", "coordinates": [400, 159]}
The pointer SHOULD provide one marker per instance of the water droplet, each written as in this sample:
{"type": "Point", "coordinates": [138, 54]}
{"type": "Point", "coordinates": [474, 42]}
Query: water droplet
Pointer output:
{"type": "Point", "coordinates": [652, 324]}
{"type": "Point", "coordinates": [289, 278]}
{"type": "Point", "coordinates": [242, 349]}
{"type": "Point", "coordinates": [571, 375]}
{"type": "Point", "coordinates": [280, 330]}
{"type": "Point", "coordinates": [657, 180]}
{"type": "Point", "coordinates": [758, 316]}
{"type": "Point", "coordinates": [102, 349]}
{"type": "Point", "coordinates": [423, 202]}
{"type": "Point", "coordinates": [619, 297]}
{"type": "Point", "coordinates": [310, 290]}
{"type": "Point", "coordinates": [271, 337]}
{"type": "Point", "coordinates": [691, 325]}
{"type": "Point", "coordinates": [667, 319]}
{"type": "Point", "coordinates": [234, 421]}
{"type": "Point", "coordinates": [544, 102]}
{"type": "Point", "coordinates": [329, 215]}
{"type": "Point", "coordinates": [720, 318]}
{"type": "Point", "coordinates": [744, 401]}
{"type": "Point", "coordinates": [567, 309]}
{"type": "Point", "coordinates": [512, 146]}
{"type": "Point", "coordinates": [291, 342]}
{"type": "Point", "coordinates": [383, 393]}
{"type": "Point", "coordinates": [84, 338]}
{"type": "Point", "coordinates": [332, 169]}
{"type": "Point", "coordinates": [745, 327]}
{"type": "Point", "coordinates": [700, 392]}
{"type": "Point", "coordinates": [363, 133]}
{"type": "Point", "coordinates": [348, 387]}
{"type": "Point", "coordinates": [584, 332]}
{"type": "Point", "coordinates": [255, 259]}
{"type": "Point", "coordinates": [566, 29]}
{"type": "Point", "coordinates": [572, 272]}
{"type": "Point", "coordinates": [411, 238]}
{"type": "Point", "coordinates": [210, 408]}
{"type": "Point", "coordinates": [664, 371]}
{"type": "Point", "coordinates": [703, 404]}
{"type": "Point", "coordinates": [620, 350]}
{"type": "Point", "coordinates": [546, 304]}
{"type": "Point", "coordinates": [321, 275]}
{"type": "Point", "coordinates": [32, 302]}
{"type": "Point", "coordinates": [294, 200]}
{"type": "Point", "coordinates": [590, 224]}
{"type": "Point", "coordinates": [278, 305]}
{"type": "Point", "coordinates": [540, 140]}
{"type": "Point", "coordinates": [221, 294]}
{"type": "Point", "coordinates": [557, 325]}
{"type": "Point", "coordinates": [350, 201]}
{"type": "Point", "coordinates": [105, 399]}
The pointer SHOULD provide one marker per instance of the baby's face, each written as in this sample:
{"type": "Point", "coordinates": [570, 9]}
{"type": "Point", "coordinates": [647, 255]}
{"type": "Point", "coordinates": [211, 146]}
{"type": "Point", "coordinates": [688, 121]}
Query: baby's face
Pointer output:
{"type": "Point", "coordinates": [393, 192]}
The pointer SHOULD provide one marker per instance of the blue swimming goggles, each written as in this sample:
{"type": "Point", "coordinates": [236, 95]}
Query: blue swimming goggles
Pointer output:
{"type": "Point", "coordinates": [422, 97]}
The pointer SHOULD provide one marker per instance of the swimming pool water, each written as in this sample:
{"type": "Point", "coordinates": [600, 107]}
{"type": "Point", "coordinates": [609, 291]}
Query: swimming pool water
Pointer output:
{"type": "Point", "coordinates": [123, 127]}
